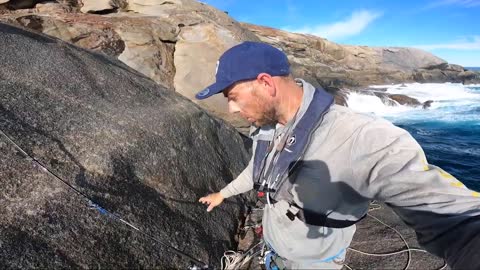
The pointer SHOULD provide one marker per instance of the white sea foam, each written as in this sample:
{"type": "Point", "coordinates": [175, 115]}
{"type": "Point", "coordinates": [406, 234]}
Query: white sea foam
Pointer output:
{"type": "Point", "coordinates": [451, 102]}
{"type": "Point", "coordinates": [373, 104]}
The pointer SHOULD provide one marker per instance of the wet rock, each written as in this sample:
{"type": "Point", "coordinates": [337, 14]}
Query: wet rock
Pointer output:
{"type": "Point", "coordinates": [405, 100]}
{"type": "Point", "coordinates": [427, 104]}
{"type": "Point", "coordinates": [384, 97]}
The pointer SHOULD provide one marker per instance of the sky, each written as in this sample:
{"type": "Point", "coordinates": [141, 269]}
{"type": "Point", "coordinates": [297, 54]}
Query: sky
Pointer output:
{"type": "Point", "coordinates": [450, 29]}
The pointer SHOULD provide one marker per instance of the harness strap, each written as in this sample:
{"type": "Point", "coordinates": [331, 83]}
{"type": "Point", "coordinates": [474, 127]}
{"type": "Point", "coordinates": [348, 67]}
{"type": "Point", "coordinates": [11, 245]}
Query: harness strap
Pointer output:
{"type": "Point", "coordinates": [317, 219]}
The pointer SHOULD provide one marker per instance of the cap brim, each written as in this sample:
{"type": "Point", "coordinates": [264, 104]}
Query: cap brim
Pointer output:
{"type": "Point", "coordinates": [212, 90]}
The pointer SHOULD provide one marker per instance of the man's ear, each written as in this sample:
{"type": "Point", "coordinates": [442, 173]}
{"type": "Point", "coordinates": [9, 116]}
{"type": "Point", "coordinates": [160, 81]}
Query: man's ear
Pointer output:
{"type": "Point", "coordinates": [265, 81]}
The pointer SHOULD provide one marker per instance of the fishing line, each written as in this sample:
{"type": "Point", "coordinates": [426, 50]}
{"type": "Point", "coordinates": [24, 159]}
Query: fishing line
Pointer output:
{"type": "Point", "coordinates": [196, 264]}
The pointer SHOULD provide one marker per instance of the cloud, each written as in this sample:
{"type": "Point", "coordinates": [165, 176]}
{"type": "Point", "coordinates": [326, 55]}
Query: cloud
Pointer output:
{"type": "Point", "coordinates": [461, 3]}
{"type": "Point", "coordinates": [354, 25]}
{"type": "Point", "coordinates": [472, 44]}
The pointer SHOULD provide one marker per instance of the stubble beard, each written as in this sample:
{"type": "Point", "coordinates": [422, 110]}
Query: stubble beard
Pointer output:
{"type": "Point", "coordinates": [268, 118]}
{"type": "Point", "coordinates": [269, 114]}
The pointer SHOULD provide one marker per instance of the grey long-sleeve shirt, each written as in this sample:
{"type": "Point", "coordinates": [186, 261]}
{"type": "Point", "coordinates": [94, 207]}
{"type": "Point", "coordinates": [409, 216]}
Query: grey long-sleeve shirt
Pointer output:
{"type": "Point", "coordinates": [352, 159]}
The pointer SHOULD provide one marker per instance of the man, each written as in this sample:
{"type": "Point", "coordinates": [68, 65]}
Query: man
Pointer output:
{"type": "Point", "coordinates": [319, 165]}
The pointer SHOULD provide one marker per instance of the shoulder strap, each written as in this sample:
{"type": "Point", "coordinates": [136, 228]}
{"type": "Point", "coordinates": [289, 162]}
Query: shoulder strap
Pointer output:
{"type": "Point", "coordinates": [299, 141]}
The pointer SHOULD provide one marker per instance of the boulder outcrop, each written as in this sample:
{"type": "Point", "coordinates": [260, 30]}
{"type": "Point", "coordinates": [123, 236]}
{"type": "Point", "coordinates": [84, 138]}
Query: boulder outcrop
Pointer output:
{"type": "Point", "coordinates": [330, 64]}
{"type": "Point", "coordinates": [132, 146]}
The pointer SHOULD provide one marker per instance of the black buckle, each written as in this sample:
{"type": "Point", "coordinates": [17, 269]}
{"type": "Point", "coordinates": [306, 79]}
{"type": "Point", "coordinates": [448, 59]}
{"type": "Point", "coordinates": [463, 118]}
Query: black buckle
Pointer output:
{"type": "Point", "coordinates": [290, 215]}
{"type": "Point", "coordinates": [257, 187]}
{"type": "Point", "coordinates": [260, 188]}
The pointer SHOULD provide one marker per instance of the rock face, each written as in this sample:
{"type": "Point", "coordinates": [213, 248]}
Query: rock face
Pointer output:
{"type": "Point", "coordinates": [177, 43]}
{"type": "Point", "coordinates": [332, 65]}
{"type": "Point", "coordinates": [141, 43]}
{"type": "Point", "coordinates": [136, 148]}
{"type": "Point", "coordinates": [102, 6]}
{"type": "Point", "coordinates": [374, 237]}
{"type": "Point", "coordinates": [18, 4]}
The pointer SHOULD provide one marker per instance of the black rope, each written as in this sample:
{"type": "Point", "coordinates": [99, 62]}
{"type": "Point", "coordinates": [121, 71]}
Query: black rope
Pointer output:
{"type": "Point", "coordinates": [196, 264]}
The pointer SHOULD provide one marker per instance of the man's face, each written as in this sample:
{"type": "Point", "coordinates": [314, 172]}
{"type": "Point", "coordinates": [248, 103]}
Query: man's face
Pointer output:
{"type": "Point", "coordinates": [252, 102]}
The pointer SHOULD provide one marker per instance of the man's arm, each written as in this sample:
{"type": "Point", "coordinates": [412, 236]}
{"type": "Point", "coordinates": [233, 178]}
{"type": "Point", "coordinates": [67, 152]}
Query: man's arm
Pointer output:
{"type": "Point", "coordinates": [442, 211]}
{"type": "Point", "coordinates": [241, 184]}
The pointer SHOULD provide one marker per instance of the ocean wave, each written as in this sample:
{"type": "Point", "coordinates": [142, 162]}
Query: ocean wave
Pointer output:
{"type": "Point", "coordinates": [452, 102]}
{"type": "Point", "coordinates": [433, 91]}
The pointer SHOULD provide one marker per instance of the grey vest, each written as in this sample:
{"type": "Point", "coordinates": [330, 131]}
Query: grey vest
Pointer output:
{"type": "Point", "coordinates": [281, 172]}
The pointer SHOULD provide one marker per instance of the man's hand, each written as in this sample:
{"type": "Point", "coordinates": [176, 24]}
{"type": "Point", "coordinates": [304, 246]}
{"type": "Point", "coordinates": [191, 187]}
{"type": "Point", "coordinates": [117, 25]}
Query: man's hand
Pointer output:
{"type": "Point", "coordinates": [212, 200]}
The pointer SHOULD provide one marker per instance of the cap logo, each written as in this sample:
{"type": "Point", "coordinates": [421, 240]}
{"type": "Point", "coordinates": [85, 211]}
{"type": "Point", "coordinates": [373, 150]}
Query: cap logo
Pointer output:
{"type": "Point", "coordinates": [216, 67]}
{"type": "Point", "coordinates": [204, 92]}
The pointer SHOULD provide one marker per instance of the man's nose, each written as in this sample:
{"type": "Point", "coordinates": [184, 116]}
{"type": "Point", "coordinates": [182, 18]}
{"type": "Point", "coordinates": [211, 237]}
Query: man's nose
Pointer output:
{"type": "Point", "coordinates": [233, 107]}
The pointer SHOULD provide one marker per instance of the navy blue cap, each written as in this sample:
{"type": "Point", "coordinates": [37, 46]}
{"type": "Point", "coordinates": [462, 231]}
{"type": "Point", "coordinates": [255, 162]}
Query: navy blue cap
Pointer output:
{"type": "Point", "coordinates": [244, 62]}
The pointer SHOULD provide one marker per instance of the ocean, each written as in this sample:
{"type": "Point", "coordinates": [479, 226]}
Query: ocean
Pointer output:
{"type": "Point", "coordinates": [473, 68]}
{"type": "Point", "coordinates": [448, 131]}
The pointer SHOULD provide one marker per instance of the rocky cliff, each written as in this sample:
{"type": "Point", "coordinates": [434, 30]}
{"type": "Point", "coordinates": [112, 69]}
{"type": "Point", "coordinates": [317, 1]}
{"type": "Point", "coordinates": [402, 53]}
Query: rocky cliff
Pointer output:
{"type": "Point", "coordinates": [333, 65]}
{"type": "Point", "coordinates": [177, 43]}
{"type": "Point", "coordinates": [116, 138]}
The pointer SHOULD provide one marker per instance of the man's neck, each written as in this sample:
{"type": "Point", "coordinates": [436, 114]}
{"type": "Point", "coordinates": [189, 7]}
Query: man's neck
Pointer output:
{"type": "Point", "coordinates": [289, 106]}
